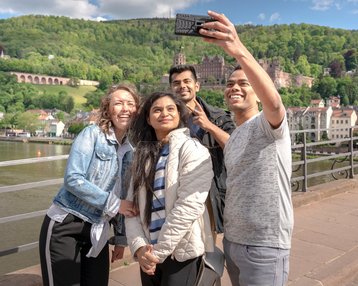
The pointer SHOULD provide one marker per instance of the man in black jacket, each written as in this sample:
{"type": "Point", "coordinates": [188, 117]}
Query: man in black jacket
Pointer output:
{"type": "Point", "coordinates": [212, 126]}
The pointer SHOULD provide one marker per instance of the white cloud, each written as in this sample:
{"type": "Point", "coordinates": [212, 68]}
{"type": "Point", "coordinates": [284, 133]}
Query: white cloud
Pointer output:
{"type": "Point", "coordinates": [274, 17]}
{"type": "Point", "coordinates": [103, 9]}
{"type": "Point", "coordinates": [322, 5]}
{"type": "Point", "coordinates": [261, 16]}
{"type": "Point", "coordinates": [124, 9]}
{"type": "Point", "coordinates": [72, 8]}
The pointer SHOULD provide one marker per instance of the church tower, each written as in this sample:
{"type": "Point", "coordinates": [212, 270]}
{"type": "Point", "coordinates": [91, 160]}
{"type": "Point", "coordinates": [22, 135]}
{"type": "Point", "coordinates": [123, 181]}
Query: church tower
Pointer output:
{"type": "Point", "coordinates": [179, 58]}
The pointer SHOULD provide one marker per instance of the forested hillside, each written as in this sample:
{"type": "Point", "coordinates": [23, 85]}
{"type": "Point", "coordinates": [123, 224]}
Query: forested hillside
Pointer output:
{"type": "Point", "coordinates": [141, 50]}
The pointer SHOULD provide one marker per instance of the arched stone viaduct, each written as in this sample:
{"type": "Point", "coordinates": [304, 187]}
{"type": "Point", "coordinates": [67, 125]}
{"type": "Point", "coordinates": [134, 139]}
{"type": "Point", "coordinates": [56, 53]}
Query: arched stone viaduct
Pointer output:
{"type": "Point", "coordinates": [49, 80]}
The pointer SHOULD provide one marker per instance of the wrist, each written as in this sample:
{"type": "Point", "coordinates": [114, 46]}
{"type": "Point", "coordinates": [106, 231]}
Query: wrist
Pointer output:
{"type": "Point", "coordinates": [137, 252]}
{"type": "Point", "coordinates": [210, 127]}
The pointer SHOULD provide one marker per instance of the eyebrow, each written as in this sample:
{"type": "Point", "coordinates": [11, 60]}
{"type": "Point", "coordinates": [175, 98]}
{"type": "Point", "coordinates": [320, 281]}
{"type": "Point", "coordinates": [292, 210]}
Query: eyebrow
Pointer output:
{"type": "Point", "coordinates": [158, 106]}
{"type": "Point", "coordinates": [239, 80]}
{"type": "Point", "coordinates": [125, 100]}
{"type": "Point", "coordinates": [188, 78]}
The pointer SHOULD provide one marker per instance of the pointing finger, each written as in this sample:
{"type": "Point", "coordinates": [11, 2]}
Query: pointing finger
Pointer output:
{"type": "Point", "coordinates": [198, 106]}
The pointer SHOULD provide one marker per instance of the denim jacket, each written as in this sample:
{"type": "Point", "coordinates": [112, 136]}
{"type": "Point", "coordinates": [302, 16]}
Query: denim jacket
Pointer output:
{"type": "Point", "coordinates": [91, 174]}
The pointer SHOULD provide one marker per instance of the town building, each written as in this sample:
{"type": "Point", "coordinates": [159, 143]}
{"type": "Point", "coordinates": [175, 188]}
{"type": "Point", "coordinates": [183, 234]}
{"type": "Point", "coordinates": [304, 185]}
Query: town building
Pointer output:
{"type": "Point", "coordinates": [331, 120]}
{"type": "Point", "coordinates": [48, 124]}
{"type": "Point", "coordinates": [341, 121]}
{"type": "Point", "coordinates": [317, 103]}
{"type": "Point", "coordinates": [56, 129]}
{"type": "Point", "coordinates": [334, 101]}
{"type": "Point", "coordinates": [317, 119]}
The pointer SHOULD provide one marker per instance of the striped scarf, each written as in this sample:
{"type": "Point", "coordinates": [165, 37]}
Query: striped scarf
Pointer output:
{"type": "Point", "coordinates": [158, 205]}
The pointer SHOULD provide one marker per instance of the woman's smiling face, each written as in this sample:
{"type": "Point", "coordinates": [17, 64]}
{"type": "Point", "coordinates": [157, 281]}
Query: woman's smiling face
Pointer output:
{"type": "Point", "coordinates": [163, 116]}
{"type": "Point", "coordinates": [122, 108]}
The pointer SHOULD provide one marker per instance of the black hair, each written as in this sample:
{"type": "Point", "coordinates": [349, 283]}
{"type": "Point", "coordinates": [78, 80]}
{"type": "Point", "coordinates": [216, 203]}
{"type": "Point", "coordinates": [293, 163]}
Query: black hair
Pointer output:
{"type": "Point", "coordinates": [180, 69]}
{"type": "Point", "coordinates": [143, 137]}
{"type": "Point", "coordinates": [238, 67]}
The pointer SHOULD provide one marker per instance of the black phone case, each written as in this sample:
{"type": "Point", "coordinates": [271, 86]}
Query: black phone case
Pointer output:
{"type": "Point", "coordinates": [189, 25]}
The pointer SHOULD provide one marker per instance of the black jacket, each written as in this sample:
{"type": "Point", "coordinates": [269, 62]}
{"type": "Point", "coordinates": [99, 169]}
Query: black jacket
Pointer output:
{"type": "Point", "coordinates": [223, 120]}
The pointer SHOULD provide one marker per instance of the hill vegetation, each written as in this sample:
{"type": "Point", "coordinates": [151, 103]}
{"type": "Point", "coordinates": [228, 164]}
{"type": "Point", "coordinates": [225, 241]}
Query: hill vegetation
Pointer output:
{"type": "Point", "coordinates": [141, 51]}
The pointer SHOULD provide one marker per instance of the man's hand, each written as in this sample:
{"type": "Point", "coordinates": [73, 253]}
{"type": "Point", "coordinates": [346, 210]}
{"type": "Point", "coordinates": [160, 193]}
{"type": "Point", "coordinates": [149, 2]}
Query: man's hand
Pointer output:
{"type": "Point", "coordinates": [146, 259]}
{"type": "Point", "coordinates": [199, 116]}
{"type": "Point", "coordinates": [117, 253]}
{"type": "Point", "coordinates": [222, 33]}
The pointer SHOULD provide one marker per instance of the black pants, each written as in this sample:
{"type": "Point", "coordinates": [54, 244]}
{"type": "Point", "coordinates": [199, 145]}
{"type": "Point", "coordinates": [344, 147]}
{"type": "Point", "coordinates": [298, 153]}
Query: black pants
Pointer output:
{"type": "Point", "coordinates": [63, 248]}
{"type": "Point", "coordinates": [173, 273]}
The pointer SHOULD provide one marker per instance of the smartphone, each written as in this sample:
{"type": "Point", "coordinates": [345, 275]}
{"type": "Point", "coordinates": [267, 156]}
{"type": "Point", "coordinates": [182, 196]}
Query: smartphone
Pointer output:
{"type": "Point", "coordinates": [189, 25]}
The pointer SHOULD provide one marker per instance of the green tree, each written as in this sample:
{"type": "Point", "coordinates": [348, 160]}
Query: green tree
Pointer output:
{"type": "Point", "coordinates": [94, 98]}
{"type": "Point", "coordinates": [345, 100]}
{"type": "Point", "coordinates": [347, 88]}
{"type": "Point", "coordinates": [337, 68]}
{"type": "Point", "coordinates": [303, 66]}
{"type": "Point", "coordinates": [68, 104]}
{"type": "Point", "coordinates": [351, 59]}
{"type": "Point", "coordinates": [60, 116]}
{"type": "Point", "coordinates": [28, 122]}
{"type": "Point", "coordinates": [76, 128]}
{"type": "Point", "coordinates": [326, 87]}
{"type": "Point", "coordinates": [10, 120]}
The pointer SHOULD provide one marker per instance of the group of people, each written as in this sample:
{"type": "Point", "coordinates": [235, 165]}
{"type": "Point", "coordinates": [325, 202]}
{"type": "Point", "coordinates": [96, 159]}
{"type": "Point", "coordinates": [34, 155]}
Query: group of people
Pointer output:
{"type": "Point", "coordinates": [164, 171]}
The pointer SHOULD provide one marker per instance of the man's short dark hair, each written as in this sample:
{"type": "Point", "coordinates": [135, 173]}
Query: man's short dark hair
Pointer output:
{"type": "Point", "coordinates": [238, 67]}
{"type": "Point", "coordinates": [180, 69]}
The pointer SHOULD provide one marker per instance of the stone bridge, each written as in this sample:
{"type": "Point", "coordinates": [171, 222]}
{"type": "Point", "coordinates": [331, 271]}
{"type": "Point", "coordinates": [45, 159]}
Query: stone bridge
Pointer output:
{"type": "Point", "coordinates": [49, 80]}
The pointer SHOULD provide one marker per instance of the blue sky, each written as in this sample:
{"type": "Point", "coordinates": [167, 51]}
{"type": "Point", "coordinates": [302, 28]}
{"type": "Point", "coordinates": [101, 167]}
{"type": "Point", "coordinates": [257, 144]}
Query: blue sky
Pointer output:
{"type": "Point", "coordinates": [332, 13]}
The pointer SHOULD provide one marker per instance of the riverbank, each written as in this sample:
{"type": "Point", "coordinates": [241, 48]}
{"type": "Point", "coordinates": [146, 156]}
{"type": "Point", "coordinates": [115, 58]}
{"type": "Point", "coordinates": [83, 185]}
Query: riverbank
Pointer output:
{"type": "Point", "coordinates": [44, 140]}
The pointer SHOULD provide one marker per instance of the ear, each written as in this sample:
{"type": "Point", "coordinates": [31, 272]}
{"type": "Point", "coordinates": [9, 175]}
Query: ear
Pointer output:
{"type": "Point", "coordinates": [197, 86]}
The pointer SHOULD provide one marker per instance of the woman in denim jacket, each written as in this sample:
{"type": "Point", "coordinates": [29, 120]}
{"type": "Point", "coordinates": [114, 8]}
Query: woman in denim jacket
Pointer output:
{"type": "Point", "coordinates": [73, 239]}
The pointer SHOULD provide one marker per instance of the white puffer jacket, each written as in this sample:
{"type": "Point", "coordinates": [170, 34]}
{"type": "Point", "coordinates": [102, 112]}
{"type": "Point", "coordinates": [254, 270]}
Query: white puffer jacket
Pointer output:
{"type": "Point", "coordinates": [188, 176]}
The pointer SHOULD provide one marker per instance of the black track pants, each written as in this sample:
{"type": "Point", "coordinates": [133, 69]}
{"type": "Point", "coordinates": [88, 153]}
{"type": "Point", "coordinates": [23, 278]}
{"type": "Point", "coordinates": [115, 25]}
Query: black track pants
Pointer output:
{"type": "Point", "coordinates": [63, 248]}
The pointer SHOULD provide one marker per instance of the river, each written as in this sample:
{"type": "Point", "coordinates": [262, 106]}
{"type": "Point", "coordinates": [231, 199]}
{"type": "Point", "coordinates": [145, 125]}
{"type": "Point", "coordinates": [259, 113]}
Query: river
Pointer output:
{"type": "Point", "coordinates": [13, 203]}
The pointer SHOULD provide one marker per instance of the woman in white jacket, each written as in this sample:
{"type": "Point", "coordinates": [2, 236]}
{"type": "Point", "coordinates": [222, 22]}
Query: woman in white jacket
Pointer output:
{"type": "Point", "coordinates": [171, 178]}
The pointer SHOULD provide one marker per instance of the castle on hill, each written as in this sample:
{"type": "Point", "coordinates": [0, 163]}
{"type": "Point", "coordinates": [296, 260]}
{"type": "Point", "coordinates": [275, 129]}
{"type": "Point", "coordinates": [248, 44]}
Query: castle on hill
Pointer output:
{"type": "Point", "coordinates": [212, 71]}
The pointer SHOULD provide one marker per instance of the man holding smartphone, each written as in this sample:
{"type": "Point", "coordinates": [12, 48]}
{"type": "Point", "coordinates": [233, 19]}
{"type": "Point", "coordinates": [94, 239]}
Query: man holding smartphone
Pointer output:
{"type": "Point", "coordinates": [258, 216]}
{"type": "Point", "coordinates": [212, 126]}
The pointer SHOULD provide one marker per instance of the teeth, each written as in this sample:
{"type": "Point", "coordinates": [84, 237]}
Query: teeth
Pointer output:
{"type": "Point", "coordinates": [236, 96]}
